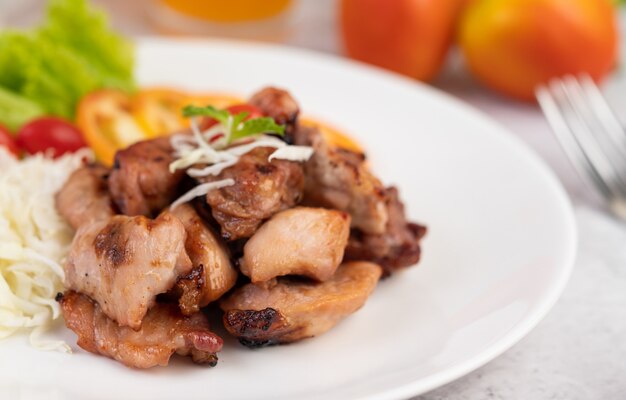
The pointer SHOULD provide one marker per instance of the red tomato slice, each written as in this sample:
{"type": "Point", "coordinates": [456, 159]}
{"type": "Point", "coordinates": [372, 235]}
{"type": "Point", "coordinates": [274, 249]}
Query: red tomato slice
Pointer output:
{"type": "Point", "coordinates": [252, 111]}
{"type": "Point", "coordinates": [6, 140]}
{"type": "Point", "coordinates": [51, 133]}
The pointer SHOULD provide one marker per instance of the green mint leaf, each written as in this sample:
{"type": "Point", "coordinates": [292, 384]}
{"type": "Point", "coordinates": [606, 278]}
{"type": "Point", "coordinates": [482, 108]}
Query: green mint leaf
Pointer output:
{"type": "Point", "coordinates": [237, 119]}
{"type": "Point", "coordinates": [209, 111]}
{"type": "Point", "coordinates": [240, 128]}
{"type": "Point", "coordinates": [257, 126]}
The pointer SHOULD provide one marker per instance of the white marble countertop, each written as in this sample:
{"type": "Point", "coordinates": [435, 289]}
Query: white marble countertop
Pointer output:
{"type": "Point", "coordinates": [579, 350]}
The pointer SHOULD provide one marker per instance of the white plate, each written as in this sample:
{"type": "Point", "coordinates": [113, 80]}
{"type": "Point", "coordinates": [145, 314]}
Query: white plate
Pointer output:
{"type": "Point", "coordinates": [499, 250]}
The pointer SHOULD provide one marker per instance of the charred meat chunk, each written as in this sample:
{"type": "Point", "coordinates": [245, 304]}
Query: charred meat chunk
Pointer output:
{"type": "Point", "coordinates": [84, 198]}
{"type": "Point", "coordinates": [299, 241]}
{"type": "Point", "coordinates": [212, 274]}
{"type": "Point", "coordinates": [140, 182]}
{"type": "Point", "coordinates": [278, 104]}
{"type": "Point", "coordinates": [163, 332]}
{"type": "Point", "coordinates": [288, 310]}
{"type": "Point", "coordinates": [397, 247]}
{"type": "Point", "coordinates": [125, 262]}
{"type": "Point", "coordinates": [262, 188]}
{"type": "Point", "coordinates": [338, 178]}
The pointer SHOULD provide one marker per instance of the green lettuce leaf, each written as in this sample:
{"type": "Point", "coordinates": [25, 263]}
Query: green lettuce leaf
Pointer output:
{"type": "Point", "coordinates": [86, 32]}
{"type": "Point", "coordinates": [16, 110]}
{"type": "Point", "coordinates": [71, 54]}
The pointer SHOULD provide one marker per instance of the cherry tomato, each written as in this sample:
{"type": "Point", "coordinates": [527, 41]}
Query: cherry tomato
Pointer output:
{"type": "Point", "coordinates": [6, 140]}
{"type": "Point", "coordinates": [411, 37]}
{"type": "Point", "coordinates": [252, 111]}
{"type": "Point", "coordinates": [515, 45]}
{"type": "Point", "coordinates": [51, 133]}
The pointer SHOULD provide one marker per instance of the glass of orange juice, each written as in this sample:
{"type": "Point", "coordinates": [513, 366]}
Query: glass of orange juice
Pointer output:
{"type": "Point", "coordinates": [258, 19]}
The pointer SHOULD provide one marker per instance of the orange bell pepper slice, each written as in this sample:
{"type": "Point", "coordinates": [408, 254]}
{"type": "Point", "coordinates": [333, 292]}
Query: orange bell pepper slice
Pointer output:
{"type": "Point", "coordinates": [217, 100]}
{"type": "Point", "coordinates": [158, 110]}
{"type": "Point", "coordinates": [111, 119]}
{"type": "Point", "coordinates": [334, 136]}
{"type": "Point", "coordinates": [106, 119]}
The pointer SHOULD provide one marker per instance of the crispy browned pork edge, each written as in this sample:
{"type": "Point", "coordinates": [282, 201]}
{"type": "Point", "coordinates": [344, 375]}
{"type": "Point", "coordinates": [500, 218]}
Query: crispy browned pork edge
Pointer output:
{"type": "Point", "coordinates": [290, 309]}
{"type": "Point", "coordinates": [164, 331]}
{"type": "Point", "coordinates": [396, 248]}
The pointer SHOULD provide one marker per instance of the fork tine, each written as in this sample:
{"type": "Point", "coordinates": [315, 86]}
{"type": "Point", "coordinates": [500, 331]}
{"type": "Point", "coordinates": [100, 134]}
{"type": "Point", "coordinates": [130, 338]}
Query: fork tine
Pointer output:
{"type": "Point", "coordinates": [570, 145]}
{"type": "Point", "coordinates": [613, 153]}
{"type": "Point", "coordinates": [607, 116]}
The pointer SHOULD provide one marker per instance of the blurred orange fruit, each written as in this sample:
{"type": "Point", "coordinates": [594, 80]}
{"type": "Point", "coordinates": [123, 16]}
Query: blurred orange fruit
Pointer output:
{"type": "Point", "coordinates": [514, 45]}
{"type": "Point", "coordinates": [411, 37]}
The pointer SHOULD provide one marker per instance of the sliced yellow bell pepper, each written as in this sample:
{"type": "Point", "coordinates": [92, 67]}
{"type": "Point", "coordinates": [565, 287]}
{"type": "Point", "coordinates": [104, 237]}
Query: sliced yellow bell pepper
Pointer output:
{"type": "Point", "coordinates": [158, 110]}
{"type": "Point", "coordinates": [107, 123]}
{"type": "Point", "coordinates": [217, 100]}
{"type": "Point", "coordinates": [111, 119]}
{"type": "Point", "coordinates": [334, 136]}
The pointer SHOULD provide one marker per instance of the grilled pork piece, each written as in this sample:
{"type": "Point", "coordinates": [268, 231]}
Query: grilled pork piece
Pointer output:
{"type": "Point", "coordinates": [287, 310]}
{"type": "Point", "coordinates": [140, 182]}
{"type": "Point", "coordinates": [397, 247]}
{"type": "Point", "coordinates": [299, 241]}
{"type": "Point", "coordinates": [212, 274]}
{"type": "Point", "coordinates": [84, 198]}
{"type": "Point", "coordinates": [278, 104]}
{"type": "Point", "coordinates": [163, 332]}
{"type": "Point", "coordinates": [338, 178]}
{"type": "Point", "coordinates": [124, 262]}
{"type": "Point", "coordinates": [262, 188]}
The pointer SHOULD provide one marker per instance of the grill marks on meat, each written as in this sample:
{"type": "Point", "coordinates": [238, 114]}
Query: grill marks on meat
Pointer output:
{"type": "Point", "coordinates": [163, 332]}
{"type": "Point", "coordinates": [212, 274]}
{"type": "Point", "coordinates": [338, 178]}
{"type": "Point", "coordinates": [121, 263]}
{"type": "Point", "coordinates": [278, 104]}
{"type": "Point", "coordinates": [140, 182]}
{"type": "Point", "coordinates": [397, 247]}
{"type": "Point", "coordinates": [288, 310]}
{"type": "Point", "coordinates": [125, 262]}
{"type": "Point", "coordinates": [84, 198]}
{"type": "Point", "coordinates": [257, 328]}
{"type": "Point", "coordinates": [299, 241]}
{"type": "Point", "coordinates": [262, 188]}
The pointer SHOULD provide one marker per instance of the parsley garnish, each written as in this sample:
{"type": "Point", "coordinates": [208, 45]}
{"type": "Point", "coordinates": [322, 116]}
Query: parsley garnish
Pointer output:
{"type": "Point", "coordinates": [238, 127]}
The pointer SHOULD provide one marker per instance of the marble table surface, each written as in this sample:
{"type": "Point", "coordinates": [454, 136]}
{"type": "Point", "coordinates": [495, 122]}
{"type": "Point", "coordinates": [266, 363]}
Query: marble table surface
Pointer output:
{"type": "Point", "coordinates": [579, 350]}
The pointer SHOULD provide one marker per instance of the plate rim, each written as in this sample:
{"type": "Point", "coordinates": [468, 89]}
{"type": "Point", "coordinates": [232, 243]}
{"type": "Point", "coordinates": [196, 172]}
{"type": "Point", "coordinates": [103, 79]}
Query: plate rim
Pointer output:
{"type": "Point", "coordinates": [520, 330]}
{"type": "Point", "coordinates": [501, 132]}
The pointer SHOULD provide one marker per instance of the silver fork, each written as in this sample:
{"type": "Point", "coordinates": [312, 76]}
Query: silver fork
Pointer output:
{"type": "Point", "coordinates": [590, 134]}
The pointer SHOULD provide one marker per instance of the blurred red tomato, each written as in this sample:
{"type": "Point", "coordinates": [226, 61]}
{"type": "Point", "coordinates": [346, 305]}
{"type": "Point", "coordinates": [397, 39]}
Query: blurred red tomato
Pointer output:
{"type": "Point", "coordinates": [411, 37]}
{"type": "Point", "coordinates": [52, 133]}
{"type": "Point", "coordinates": [514, 45]}
{"type": "Point", "coordinates": [6, 140]}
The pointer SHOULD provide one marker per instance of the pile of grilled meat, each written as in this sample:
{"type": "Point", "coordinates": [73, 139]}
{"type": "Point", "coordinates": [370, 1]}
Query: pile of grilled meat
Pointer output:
{"type": "Point", "coordinates": [287, 252]}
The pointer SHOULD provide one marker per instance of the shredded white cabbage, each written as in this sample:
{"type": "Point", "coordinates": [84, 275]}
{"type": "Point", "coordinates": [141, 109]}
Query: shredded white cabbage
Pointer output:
{"type": "Point", "coordinates": [209, 147]}
{"type": "Point", "coordinates": [201, 190]}
{"type": "Point", "coordinates": [34, 239]}
{"type": "Point", "coordinates": [292, 153]}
